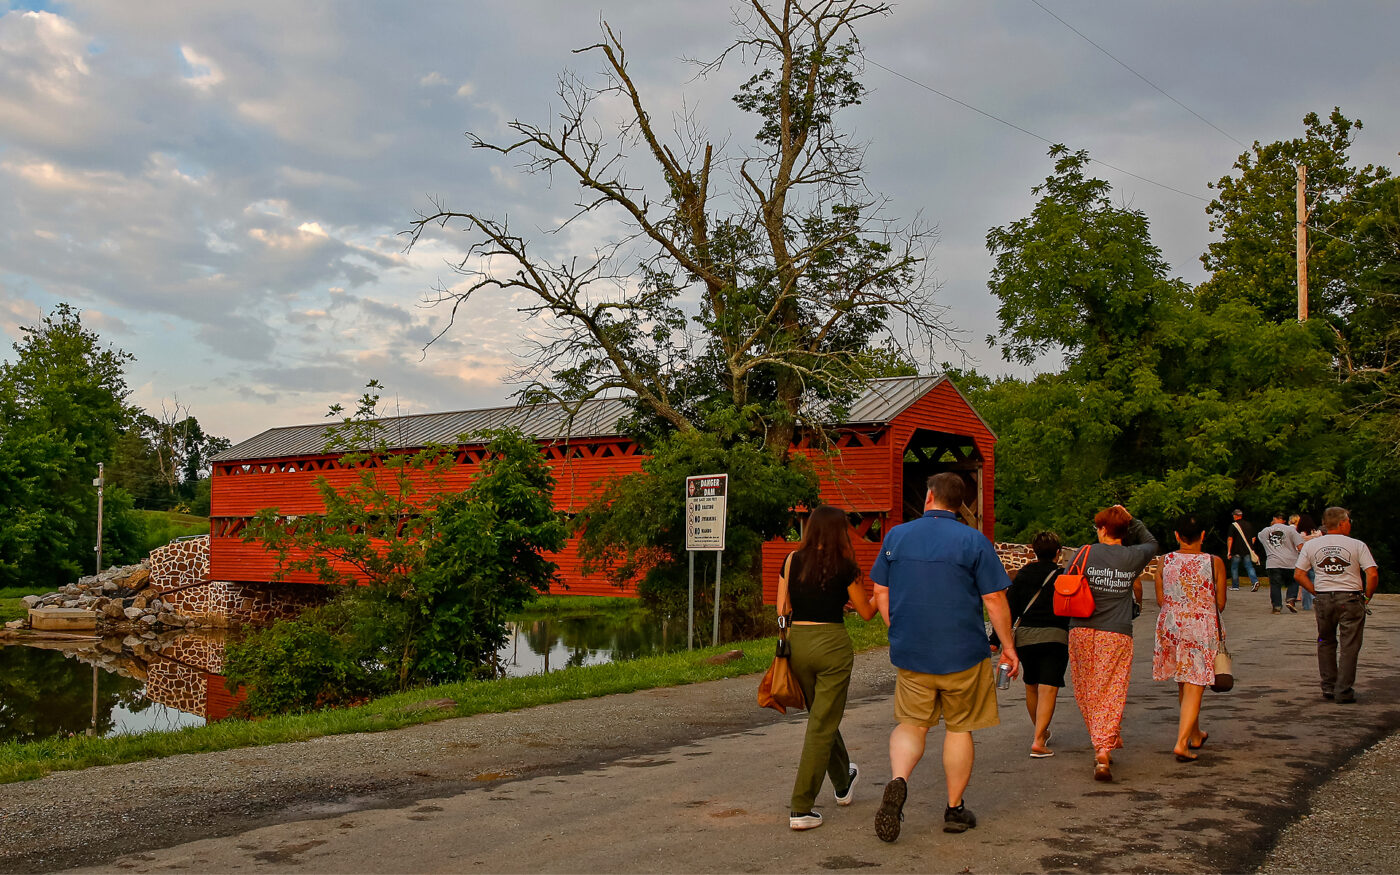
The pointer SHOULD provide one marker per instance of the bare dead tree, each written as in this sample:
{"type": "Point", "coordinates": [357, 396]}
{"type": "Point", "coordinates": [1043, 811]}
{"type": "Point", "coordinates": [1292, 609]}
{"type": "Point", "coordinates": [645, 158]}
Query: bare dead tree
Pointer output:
{"type": "Point", "coordinates": [796, 293]}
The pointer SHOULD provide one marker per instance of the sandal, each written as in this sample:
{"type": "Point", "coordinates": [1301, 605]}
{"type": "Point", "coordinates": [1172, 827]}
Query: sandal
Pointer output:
{"type": "Point", "coordinates": [1102, 772]}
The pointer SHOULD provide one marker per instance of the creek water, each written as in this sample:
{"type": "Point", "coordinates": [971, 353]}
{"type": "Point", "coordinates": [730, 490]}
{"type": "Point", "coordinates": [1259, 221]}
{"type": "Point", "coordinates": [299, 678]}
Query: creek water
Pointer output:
{"type": "Point", "coordinates": [50, 689]}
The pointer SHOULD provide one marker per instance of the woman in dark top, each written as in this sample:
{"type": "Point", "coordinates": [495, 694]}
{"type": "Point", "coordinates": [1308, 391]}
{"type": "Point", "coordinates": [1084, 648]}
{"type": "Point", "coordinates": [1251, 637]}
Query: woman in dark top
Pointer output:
{"type": "Point", "coordinates": [816, 583]}
{"type": "Point", "coordinates": [1042, 637]}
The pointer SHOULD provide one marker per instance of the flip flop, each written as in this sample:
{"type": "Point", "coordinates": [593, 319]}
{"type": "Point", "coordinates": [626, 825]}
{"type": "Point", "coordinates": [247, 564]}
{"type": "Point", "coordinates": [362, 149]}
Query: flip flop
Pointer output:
{"type": "Point", "coordinates": [1183, 758]}
{"type": "Point", "coordinates": [1204, 739]}
{"type": "Point", "coordinates": [1038, 755]}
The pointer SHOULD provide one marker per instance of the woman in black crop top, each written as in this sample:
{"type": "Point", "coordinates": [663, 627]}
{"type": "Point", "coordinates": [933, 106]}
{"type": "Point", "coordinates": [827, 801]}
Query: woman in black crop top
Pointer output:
{"type": "Point", "coordinates": [816, 583]}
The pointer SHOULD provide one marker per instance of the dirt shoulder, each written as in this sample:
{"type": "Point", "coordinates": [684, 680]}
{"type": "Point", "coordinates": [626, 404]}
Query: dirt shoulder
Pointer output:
{"type": "Point", "coordinates": [696, 779]}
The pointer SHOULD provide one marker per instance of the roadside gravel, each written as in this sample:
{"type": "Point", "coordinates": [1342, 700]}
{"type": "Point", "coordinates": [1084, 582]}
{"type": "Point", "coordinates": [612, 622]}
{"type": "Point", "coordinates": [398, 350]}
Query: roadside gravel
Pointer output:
{"type": "Point", "coordinates": [90, 817]}
{"type": "Point", "coordinates": [1350, 823]}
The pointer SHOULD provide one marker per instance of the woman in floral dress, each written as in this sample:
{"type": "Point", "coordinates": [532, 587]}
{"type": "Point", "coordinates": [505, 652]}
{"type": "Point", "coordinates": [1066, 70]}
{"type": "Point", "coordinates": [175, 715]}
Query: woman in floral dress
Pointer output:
{"type": "Point", "coordinates": [1190, 589]}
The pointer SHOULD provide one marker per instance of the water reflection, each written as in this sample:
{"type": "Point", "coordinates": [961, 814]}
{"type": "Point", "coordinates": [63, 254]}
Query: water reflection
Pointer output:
{"type": "Point", "coordinates": [549, 644]}
{"type": "Point", "coordinates": [55, 690]}
{"type": "Point", "coordinates": [175, 680]}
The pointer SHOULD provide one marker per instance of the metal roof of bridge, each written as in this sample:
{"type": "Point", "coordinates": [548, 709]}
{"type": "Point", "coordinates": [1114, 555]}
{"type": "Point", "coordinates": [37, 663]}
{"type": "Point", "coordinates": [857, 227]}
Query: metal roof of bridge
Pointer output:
{"type": "Point", "coordinates": [882, 401]}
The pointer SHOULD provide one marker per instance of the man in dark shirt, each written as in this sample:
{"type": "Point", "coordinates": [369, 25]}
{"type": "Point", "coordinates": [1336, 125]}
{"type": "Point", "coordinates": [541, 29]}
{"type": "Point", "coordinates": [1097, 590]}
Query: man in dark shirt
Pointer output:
{"type": "Point", "coordinates": [1238, 547]}
{"type": "Point", "coordinates": [933, 578]}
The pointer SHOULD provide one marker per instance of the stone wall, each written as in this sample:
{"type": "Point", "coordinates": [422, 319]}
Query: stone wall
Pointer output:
{"type": "Point", "coordinates": [180, 571]}
{"type": "Point", "coordinates": [1014, 556]}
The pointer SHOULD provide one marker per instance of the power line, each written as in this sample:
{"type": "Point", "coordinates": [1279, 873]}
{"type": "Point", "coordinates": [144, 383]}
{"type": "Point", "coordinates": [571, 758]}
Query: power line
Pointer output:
{"type": "Point", "coordinates": [1139, 75]}
{"type": "Point", "coordinates": [1029, 133]}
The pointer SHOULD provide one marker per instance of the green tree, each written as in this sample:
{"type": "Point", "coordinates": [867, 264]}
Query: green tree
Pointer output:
{"type": "Point", "coordinates": [1160, 404]}
{"type": "Point", "coordinates": [1354, 293]}
{"type": "Point", "coordinates": [1255, 213]}
{"type": "Point", "coordinates": [62, 407]}
{"type": "Point", "coordinates": [802, 280]}
{"type": "Point", "coordinates": [635, 529]}
{"type": "Point", "coordinates": [425, 577]}
{"type": "Point", "coordinates": [484, 560]}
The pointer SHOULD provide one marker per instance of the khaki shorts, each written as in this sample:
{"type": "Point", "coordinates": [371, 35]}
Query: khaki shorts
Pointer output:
{"type": "Point", "coordinates": [965, 700]}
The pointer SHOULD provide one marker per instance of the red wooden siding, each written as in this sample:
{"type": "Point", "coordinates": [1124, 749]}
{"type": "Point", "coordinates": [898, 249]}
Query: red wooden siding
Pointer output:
{"type": "Point", "coordinates": [863, 473]}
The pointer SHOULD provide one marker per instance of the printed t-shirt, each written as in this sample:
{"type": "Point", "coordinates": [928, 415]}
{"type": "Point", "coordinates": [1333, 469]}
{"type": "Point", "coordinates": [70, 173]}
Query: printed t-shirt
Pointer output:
{"type": "Point", "coordinates": [1111, 570]}
{"type": "Point", "coordinates": [1338, 562]}
{"type": "Point", "coordinates": [937, 569]}
{"type": "Point", "coordinates": [1281, 542]}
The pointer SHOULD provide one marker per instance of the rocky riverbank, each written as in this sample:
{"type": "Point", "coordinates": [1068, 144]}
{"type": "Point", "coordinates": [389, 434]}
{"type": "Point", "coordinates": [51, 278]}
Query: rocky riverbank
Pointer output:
{"type": "Point", "coordinates": [121, 597]}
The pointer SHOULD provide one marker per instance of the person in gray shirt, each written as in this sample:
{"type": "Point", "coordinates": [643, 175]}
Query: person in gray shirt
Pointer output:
{"type": "Point", "coordinates": [1346, 578]}
{"type": "Point", "coordinates": [1101, 644]}
{"type": "Point", "coordinates": [1281, 542]}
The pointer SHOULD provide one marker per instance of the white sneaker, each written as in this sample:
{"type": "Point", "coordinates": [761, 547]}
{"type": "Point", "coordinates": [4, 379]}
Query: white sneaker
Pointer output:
{"type": "Point", "coordinates": [849, 796]}
{"type": "Point", "coordinates": [810, 820]}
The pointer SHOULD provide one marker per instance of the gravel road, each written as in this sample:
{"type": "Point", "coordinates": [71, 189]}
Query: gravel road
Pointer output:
{"type": "Point", "coordinates": [696, 778]}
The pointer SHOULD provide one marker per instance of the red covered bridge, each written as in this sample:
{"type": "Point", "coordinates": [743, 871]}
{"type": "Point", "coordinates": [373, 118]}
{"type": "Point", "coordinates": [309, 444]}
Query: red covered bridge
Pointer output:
{"type": "Point", "coordinates": [897, 433]}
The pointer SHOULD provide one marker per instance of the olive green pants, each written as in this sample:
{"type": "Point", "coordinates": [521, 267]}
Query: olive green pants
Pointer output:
{"type": "Point", "coordinates": [822, 659]}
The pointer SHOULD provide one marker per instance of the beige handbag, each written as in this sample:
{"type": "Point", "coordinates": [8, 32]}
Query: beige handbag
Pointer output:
{"type": "Point", "coordinates": [1224, 665]}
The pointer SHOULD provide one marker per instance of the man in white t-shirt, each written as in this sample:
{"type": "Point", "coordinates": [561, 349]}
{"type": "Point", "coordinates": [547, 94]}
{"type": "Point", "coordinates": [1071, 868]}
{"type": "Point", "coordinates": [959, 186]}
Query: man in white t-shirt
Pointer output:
{"type": "Point", "coordinates": [1281, 542]}
{"type": "Point", "coordinates": [1346, 578]}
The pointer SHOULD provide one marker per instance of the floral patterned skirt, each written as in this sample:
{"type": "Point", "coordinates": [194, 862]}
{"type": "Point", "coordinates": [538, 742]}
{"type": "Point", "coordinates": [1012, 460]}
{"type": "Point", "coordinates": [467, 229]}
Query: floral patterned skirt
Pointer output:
{"type": "Point", "coordinates": [1100, 664]}
{"type": "Point", "coordinates": [1186, 645]}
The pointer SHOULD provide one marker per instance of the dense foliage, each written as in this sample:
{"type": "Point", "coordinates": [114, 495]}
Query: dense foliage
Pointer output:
{"type": "Point", "coordinates": [635, 529]}
{"type": "Point", "coordinates": [63, 410]}
{"type": "Point", "coordinates": [62, 405]}
{"type": "Point", "coordinates": [441, 571]}
{"type": "Point", "coordinates": [1171, 399]}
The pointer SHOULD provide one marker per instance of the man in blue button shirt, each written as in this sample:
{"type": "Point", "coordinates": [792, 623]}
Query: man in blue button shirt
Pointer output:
{"type": "Point", "coordinates": [932, 580]}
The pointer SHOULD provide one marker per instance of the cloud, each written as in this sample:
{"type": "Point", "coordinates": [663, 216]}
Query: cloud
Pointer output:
{"type": "Point", "coordinates": [225, 185]}
{"type": "Point", "coordinates": [202, 73]}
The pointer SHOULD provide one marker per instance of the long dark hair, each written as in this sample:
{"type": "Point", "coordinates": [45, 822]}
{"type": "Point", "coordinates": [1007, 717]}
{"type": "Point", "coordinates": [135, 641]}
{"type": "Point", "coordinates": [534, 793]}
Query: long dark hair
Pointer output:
{"type": "Point", "coordinates": [826, 546]}
{"type": "Point", "coordinates": [1306, 524]}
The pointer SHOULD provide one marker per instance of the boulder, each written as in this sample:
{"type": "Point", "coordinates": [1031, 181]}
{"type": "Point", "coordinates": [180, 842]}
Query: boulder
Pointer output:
{"type": "Point", "coordinates": [113, 610]}
{"type": "Point", "coordinates": [31, 601]}
{"type": "Point", "coordinates": [167, 619]}
{"type": "Point", "coordinates": [139, 601]}
{"type": "Point", "coordinates": [130, 642]}
{"type": "Point", "coordinates": [15, 624]}
{"type": "Point", "coordinates": [132, 613]}
{"type": "Point", "coordinates": [110, 586]}
{"type": "Point", "coordinates": [137, 578]}
{"type": "Point", "coordinates": [147, 620]}
{"type": "Point", "coordinates": [70, 603]}
{"type": "Point", "coordinates": [156, 605]}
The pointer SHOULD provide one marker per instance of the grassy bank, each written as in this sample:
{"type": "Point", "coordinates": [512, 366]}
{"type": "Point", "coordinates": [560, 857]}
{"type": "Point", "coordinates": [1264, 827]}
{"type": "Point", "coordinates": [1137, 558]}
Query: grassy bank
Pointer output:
{"type": "Point", "coordinates": [11, 608]}
{"type": "Point", "coordinates": [29, 760]}
{"type": "Point", "coordinates": [553, 607]}
{"type": "Point", "coordinates": [164, 526]}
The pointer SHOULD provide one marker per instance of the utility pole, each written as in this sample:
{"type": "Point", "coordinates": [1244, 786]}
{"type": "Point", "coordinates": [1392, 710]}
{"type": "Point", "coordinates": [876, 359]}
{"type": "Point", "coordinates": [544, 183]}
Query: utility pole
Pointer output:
{"type": "Point", "coordinates": [98, 548]}
{"type": "Point", "coordinates": [1302, 243]}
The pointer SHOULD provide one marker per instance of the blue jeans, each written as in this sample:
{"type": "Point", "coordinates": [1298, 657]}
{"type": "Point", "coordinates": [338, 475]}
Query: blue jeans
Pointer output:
{"type": "Point", "coordinates": [1307, 596]}
{"type": "Point", "coordinates": [1248, 567]}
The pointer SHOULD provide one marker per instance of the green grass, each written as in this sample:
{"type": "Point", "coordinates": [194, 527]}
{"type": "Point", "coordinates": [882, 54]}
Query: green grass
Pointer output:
{"type": "Point", "coordinates": [552, 607]}
{"type": "Point", "coordinates": [22, 761]}
{"type": "Point", "coordinates": [11, 608]}
{"type": "Point", "coordinates": [163, 526]}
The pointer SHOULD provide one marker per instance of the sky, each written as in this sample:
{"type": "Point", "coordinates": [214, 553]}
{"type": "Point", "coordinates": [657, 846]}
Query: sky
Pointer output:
{"type": "Point", "coordinates": [222, 188]}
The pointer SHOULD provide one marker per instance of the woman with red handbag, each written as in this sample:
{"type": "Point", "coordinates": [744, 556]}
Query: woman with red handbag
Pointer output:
{"type": "Point", "coordinates": [816, 583]}
{"type": "Point", "coordinates": [1101, 644]}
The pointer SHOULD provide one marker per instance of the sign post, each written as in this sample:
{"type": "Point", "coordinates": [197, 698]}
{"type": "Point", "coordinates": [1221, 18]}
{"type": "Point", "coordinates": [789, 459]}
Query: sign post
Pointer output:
{"type": "Point", "coordinates": [706, 511]}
